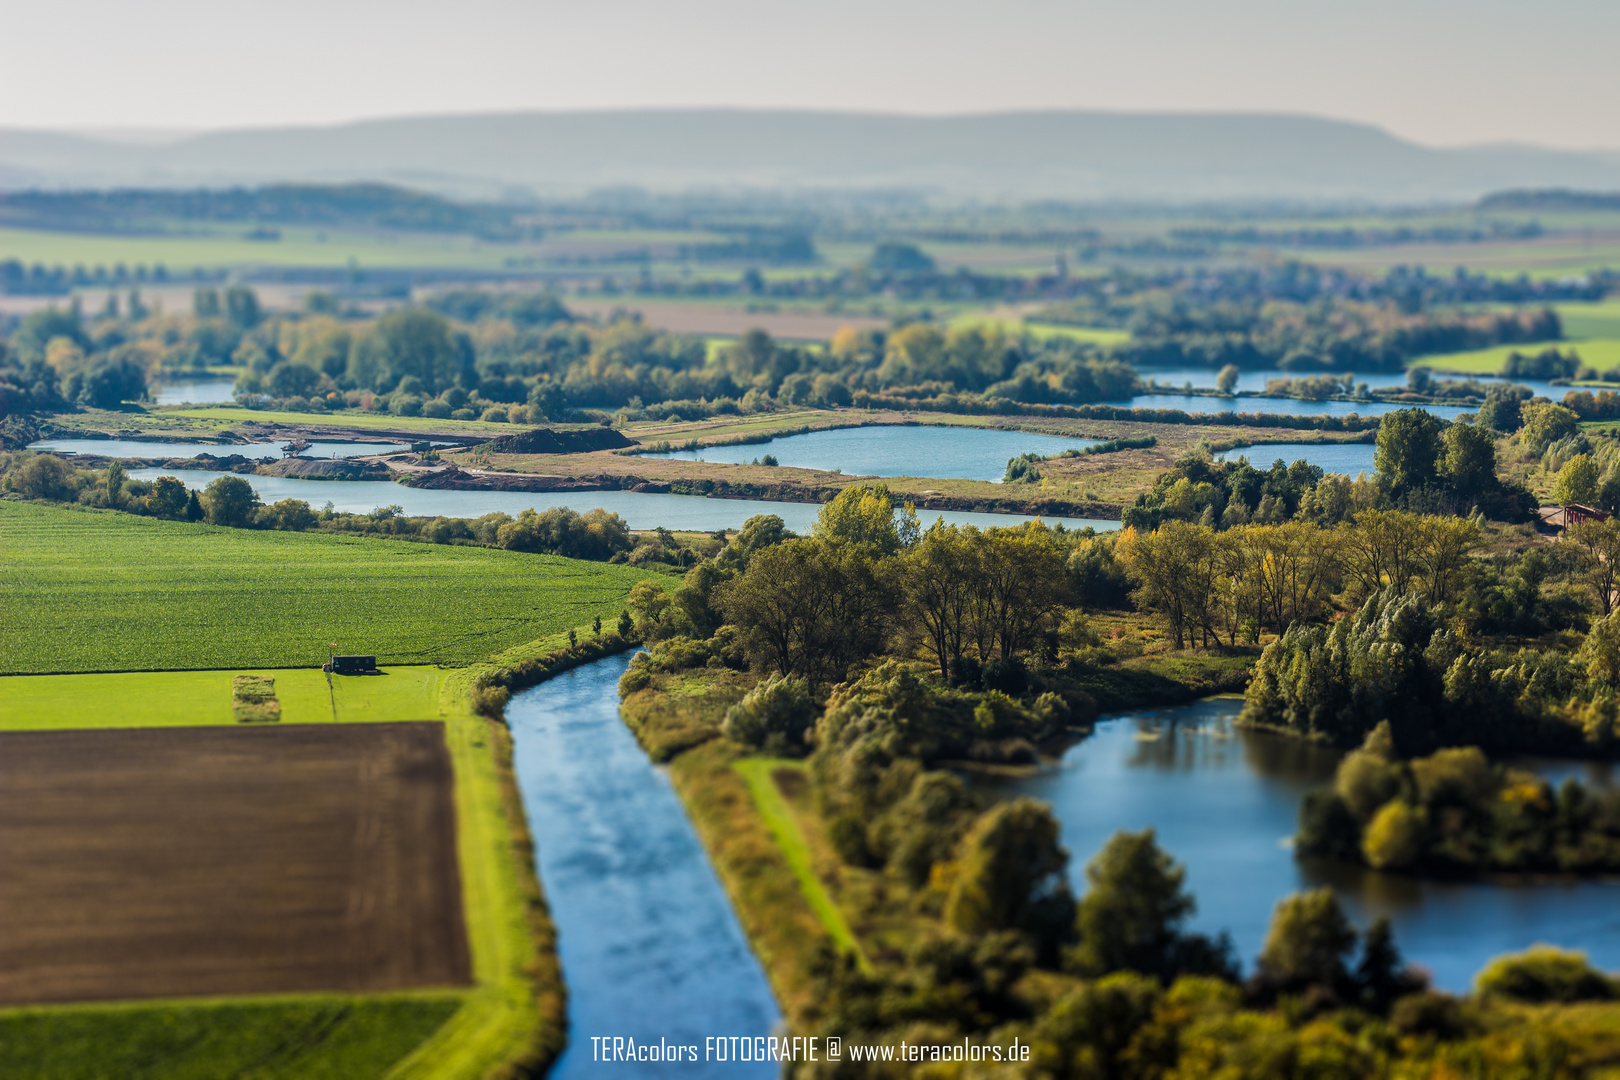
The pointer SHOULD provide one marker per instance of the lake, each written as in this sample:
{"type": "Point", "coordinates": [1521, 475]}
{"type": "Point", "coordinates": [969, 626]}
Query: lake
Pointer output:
{"type": "Point", "coordinates": [1196, 404]}
{"type": "Point", "coordinates": [957, 453]}
{"type": "Point", "coordinates": [642, 510]}
{"type": "Point", "coordinates": [1347, 458]}
{"type": "Point", "coordinates": [1225, 802]}
{"type": "Point", "coordinates": [650, 946]}
{"type": "Point", "coordinates": [135, 448]}
{"type": "Point", "coordinates": [1203, 378]}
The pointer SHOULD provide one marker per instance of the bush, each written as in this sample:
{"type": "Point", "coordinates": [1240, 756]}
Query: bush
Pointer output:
{"type": "Point", "coordinates": [494, 415]}
{"type": "Point", "coordinates": [773, 717]}
{"type": "Point", "coordinates": [1545, 973]}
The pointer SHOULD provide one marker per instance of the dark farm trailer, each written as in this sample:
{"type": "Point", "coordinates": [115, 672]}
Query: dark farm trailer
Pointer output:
{"type": "Point", "coordinates": [353, 665]}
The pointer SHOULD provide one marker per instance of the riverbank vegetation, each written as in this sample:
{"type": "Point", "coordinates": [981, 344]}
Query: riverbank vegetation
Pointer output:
{"type": "Point", "coordinates": [878, 655]}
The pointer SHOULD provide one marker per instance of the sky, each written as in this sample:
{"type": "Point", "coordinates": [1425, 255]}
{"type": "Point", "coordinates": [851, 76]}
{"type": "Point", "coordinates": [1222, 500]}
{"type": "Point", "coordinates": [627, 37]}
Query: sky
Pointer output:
{"type": "Point", "coordinates": [1440, 72]}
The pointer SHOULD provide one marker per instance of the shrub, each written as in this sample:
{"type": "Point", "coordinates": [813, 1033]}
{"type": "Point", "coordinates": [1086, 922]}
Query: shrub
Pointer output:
{"type": "Point", "coordinates": [1544, 973]}
{"type": "Point", "coordinates": [773, 716]}
{"type": "Point", "coordinates": [494, 415]}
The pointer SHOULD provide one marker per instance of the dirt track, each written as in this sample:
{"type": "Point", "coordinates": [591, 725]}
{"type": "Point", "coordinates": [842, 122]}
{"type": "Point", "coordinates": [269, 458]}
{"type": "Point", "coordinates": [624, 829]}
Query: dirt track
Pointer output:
{"type": "Point", "coordinates": [181, 861]}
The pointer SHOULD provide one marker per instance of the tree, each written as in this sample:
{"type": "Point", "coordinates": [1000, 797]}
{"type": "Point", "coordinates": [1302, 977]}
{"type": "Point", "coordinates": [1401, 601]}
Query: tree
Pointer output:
{"type": "Point", "coordinates": [1500, 412]}
{"type": "Point", "coordinates": [194, 510]}
{"type": "Point", "coordinates": [292, 379]}
{"type": "Point", "coordinates": [938, 576]}
{"type": "Point", "coordinates": [288, 515]}
{"type": "Point", "coordinates": [1011, 876]}
{"type": "Point", "coordinates": [205, 303]}
{"type": "Point", "coordinates": [1132, 913]}
{"type": "Point", "coordinates": [626, 625]}
{"type": "Point", "coordinates": [167, 497]}
{"type": "Point", "coordinates": [860, 515]}
{"type": "Point", "coordinates": [1545, 424]}
{"type": "Point", "coordinates": [412, 343]}
{"type": "Point", "coordinates": [115, 484]}
{"type": "Point", "coordinates": [230, 501]}
{"type": "Point", "coordinates": [242, 306]}
{"type": "Point", "coordinates": [1308, 941]}
{"type": "Point", "coordinates": [773, 716]}
{"type": "Point", "coordinates": [1226, 382]}
{"type": "Point", "coordinates": [1577, 481]}
{"type": "Point", "coordinates": [1174, 568]}
{"type": "Point", "coordinates": [45, 476]}
{"type": "Point", "coordinates": [1408, 451]}
{"type": "Point", "coordinates": [596, 626]}
{"type": "Point", "coordinates": [1468, 462]}
{"type": "Point", "coordinates": [1599, 542]}
{"type": "Point", "coordinates": [110, 384]}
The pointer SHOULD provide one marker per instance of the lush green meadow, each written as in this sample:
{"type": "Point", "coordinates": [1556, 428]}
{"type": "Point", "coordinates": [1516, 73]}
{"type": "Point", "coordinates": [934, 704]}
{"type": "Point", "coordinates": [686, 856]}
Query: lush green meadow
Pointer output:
{"type": "Point", "coordinates": [102, 591]}
{"type": "Point", "coordinates": [306, 1038]}
{"type": "Point", "coordinates": [1601, 320]}
{"type": "Point", "coordinates": [195, 698]}
{"type": "Point", "coordinates": [1601, 353]}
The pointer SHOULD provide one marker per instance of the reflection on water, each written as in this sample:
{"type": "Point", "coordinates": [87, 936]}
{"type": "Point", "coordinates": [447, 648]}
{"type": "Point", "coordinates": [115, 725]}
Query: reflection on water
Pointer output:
{"type": "Point", "coordinates": [1254, 382]}
{"type": "Point", "coordinates": [649, 944]}
{"type": "Point", "coordinates": [196, 392]}
{"type": "Point", "coordinates": [891, 450]}
{"type": "Point", "coordinates": [642, 510]}
{"type": "Point", "coordinates": [1224, 802]}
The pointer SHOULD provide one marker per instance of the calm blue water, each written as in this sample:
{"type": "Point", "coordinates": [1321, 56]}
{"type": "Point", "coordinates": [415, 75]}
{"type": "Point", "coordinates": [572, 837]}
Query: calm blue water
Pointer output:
{"type": "Point", "coordinates": [1347, 458]}
{"type": "Point", "coordinates": [132, 448]}
{"type": "Point", "coordinates": [642, 510]}
{"type": "Point", "coordinates": [1225, 803]}
{"type": "Point", "coordinates": [959, 453]}
{"type": "Point", "coordinates": [1192, 403]}
{"type": "Point", "coordinates": [649, 944]}
{"type": "Point", "coordinates": [195, 392]}
{"type": "Point", "coordinates": [1203, 378]}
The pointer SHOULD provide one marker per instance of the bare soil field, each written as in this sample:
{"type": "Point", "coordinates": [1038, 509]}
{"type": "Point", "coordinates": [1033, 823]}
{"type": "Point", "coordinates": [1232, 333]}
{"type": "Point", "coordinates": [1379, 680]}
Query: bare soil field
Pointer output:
{"type": "Point", "coordinates": [167, 862]}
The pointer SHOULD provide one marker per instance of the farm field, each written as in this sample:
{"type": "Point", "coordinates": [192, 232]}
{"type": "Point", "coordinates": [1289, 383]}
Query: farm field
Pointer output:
{"type": "Point", "coordinates": [278, 859]}
{"type": "Point", "coordinates": [203, 698]}
{"type": "Point", "coordinates": [1601, 320]}
{"type": "Point", "coordinates": [103, 591]}
{"type": "Point", "coordinates": [1601, 353]}
{"type": "Point", "coordinates": [349, 418]}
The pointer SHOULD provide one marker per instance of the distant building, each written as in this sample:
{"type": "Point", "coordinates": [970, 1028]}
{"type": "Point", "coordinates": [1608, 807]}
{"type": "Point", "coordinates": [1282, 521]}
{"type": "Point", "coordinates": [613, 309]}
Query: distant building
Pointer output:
{"type": "Point", "coordinates": [352, 665]}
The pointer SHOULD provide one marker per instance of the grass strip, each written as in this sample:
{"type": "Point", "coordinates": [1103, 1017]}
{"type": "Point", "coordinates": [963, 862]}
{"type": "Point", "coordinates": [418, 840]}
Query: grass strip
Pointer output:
{"type": "Point", "coordinates": [296, 1037]}
{"type": "Point", "coordinates": [779, 817]}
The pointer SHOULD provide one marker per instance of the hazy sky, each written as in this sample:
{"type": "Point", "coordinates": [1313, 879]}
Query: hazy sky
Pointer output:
{"type": "Point", "coordinates": [1437, 71]}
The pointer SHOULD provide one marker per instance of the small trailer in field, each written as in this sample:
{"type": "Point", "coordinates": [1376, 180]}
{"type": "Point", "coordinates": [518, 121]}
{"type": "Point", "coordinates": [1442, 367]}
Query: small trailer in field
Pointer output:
{"type": "Point", "coordinates": [352, 665]}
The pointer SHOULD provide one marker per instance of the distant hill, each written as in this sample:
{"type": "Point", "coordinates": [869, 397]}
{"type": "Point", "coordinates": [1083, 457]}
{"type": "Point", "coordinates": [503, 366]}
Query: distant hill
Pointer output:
{"type": "Point", "coordinates": [121, 210]}
{"type": "Point", "coordinates": [1551, 199]}
{"type": "Point", "coordinates": [1018, 156]}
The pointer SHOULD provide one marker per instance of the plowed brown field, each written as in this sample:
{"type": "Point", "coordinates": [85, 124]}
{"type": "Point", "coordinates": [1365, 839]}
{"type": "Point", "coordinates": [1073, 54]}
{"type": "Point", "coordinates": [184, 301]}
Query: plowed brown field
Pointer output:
{"type": "Point", "coordinates": [179, 861]}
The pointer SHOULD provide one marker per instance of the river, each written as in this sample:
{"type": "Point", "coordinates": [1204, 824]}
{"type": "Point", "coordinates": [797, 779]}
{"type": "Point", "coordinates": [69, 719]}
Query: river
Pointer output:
{"type": "Point", "coordinates": [642, 510]}
{"type": "Point", "coordinates": [650, 946]}
{"type": "Point", "coordinates": [1225, 801]}
{"type": "Point", "coordinates": [1347, 458]}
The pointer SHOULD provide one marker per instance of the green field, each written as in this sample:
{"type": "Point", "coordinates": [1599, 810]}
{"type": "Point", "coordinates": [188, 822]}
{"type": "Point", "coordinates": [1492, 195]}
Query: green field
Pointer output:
{"type": "Point", "coordinates": [1601, 353]}
{"type": "Point", "coordinates": [1601, 320]}
{"type": "Point", "coordinates": [193, 698]}
{"type": "Point", "coordinates": [349, 418]}
{"type": "Point", "coordinates": [103, 591]}
{"type": "Point", "coordinates": [318, 1037]}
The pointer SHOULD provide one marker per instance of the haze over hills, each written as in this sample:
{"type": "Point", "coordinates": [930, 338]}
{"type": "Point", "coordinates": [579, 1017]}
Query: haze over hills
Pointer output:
{"type": "Point", "coordinates": [1004, 156]}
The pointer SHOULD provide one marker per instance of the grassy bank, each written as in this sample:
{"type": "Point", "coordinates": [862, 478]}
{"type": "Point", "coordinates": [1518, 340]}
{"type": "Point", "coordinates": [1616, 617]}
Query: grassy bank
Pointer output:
{"type": "Point", "coordinates": [315, 1037]}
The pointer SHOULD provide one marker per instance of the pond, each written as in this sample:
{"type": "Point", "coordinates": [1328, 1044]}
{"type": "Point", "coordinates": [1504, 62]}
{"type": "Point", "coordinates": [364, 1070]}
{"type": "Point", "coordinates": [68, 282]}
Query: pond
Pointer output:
{"type": "Point", "coordinates": [1224, 802]}
{"type": "Point", "coordinates": [195, 392]}
{"type": "Point", "coordinates": [1347, 458]}
{"type": "Point", "coordinates": [135, 448]}
{"type": "Point", "coordinates": [650, 946]}
{"type": "Point", "coordinates": [957, 453]}
{"type": "Point", "coordinates": [642, 510]}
